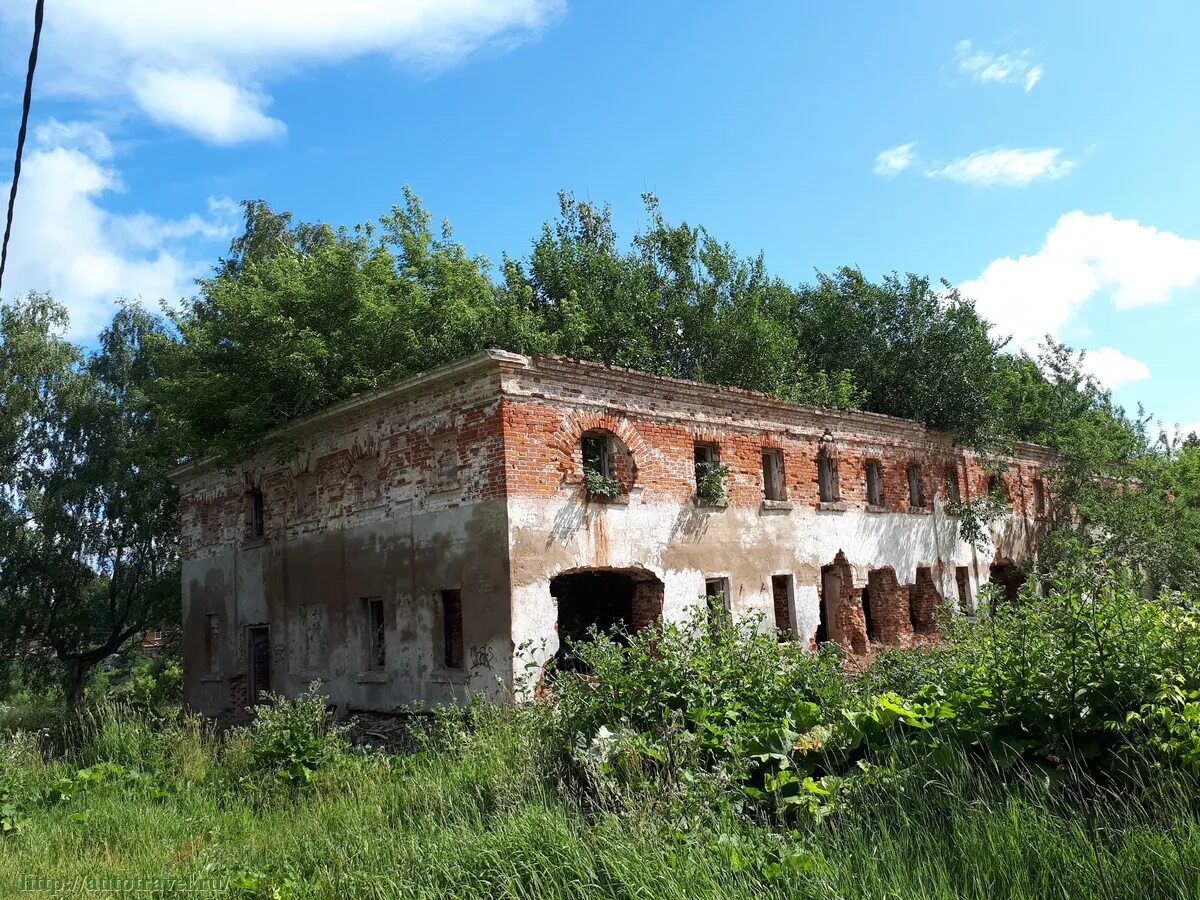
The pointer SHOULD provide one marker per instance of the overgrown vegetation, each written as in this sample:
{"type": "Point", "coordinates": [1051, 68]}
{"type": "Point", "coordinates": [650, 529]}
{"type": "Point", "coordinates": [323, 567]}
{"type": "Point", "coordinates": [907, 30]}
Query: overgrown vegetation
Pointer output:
{"type": "Point", "coordinates": [601, 486]}
{"type": "Point", "coordinates": [310, 314]}
{"type": "Point", "coordinates": [710, 482]}
{"type": "Point", "coordinates": [1051, 749]}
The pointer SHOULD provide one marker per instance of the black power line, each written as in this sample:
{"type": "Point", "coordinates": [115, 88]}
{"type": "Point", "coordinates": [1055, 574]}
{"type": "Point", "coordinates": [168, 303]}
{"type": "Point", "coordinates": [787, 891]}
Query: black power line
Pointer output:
{"type": "Point", "coordinates": [12, 193]}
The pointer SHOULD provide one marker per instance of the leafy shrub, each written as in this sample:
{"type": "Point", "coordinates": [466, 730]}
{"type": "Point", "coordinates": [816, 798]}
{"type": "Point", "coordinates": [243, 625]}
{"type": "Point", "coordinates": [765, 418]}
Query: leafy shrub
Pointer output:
{"type": "Point", "coordinates": [601, 486]}
{"type": "Point", "coordinates": [684, 705]}
{"type": "Point", "coordinates": [291, 739]}
{"type": "Point", "coordinates": [710, 482]}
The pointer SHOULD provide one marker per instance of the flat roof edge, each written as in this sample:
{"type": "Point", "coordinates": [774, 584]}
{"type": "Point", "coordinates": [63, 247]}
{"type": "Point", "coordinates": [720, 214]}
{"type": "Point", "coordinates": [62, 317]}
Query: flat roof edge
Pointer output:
{"type": "Point", "coordinates": [476, 362]}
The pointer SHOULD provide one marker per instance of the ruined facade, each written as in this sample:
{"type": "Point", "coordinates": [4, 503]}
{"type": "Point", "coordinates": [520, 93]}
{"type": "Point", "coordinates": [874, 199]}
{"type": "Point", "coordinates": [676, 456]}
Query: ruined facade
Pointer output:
{"type": "Point", "coordinates": [443, 536]}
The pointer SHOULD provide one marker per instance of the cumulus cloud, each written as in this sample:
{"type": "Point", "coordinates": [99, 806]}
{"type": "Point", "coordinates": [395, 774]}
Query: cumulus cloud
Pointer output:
{"type": "Point", "coordinates": [1005, 167]}
{"type": "Point", "coordinates": [1112, 368]}
{"type": "Point", "coordinates": [65, 242]}
{"type": "Point", "coordinates": [997, 68]}
{"type": "Point", "coordinates": [890, 163]}
{"type": "Point", "coordinates": [207, 105]}
{"type": "Point", "coordinates": [196, 65]}
{"type": "Point", "coordinates": [1082, 257]}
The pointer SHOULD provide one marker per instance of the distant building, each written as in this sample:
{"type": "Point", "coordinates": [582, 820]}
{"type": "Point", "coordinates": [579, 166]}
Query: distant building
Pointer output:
{"type": "Point", "coordinates": [437, 537]}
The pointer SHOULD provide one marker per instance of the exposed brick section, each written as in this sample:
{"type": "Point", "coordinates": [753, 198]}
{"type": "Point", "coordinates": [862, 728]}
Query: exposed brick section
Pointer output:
{"type": "Point", "coordinates": [890, 617]}
{"type": "Point", "coordinates": [846, 622]}
{"type": "Point", "coordinates": [442, 446]}
{"type": "Point", "coordinates": [549, 407]}
{"type": "Point", "coordinates": [647, 604]}
{"type": "Point", "coordinates": [925, 602]}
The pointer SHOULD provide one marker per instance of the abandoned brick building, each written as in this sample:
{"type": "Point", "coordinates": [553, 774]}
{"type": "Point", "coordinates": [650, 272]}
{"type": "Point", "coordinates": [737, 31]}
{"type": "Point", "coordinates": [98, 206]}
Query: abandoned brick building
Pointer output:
{"type": "Point", "coordinates": [422, 541]}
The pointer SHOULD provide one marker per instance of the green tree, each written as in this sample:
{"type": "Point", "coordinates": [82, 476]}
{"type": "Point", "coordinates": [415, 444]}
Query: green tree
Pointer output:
{"type": "Point", "coordinates": [300, 316]}
{"type": "Point", "coordinates": [88, 552]}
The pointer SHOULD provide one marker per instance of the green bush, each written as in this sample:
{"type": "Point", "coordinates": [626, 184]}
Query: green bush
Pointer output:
{"type": "Point", "coordinates": [289, 739]}
{"type": "Point", "coordinates": [710, 483]}
{"type": "Point", "coordinates": [597, 485]}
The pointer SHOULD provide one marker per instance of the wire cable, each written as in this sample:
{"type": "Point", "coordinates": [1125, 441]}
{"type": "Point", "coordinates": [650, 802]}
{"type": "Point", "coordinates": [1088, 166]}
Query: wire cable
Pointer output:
{"type": "Point", "coordinates": [12, 193]}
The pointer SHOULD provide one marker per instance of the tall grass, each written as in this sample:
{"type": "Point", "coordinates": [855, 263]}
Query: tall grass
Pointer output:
{"type": "Point", "coordinates": [482, 812]}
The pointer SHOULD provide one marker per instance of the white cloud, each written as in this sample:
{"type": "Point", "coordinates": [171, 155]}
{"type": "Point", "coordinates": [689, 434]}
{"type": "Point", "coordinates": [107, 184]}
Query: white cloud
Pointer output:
{"type": "Point", "coordinates": [1112, 368]}
{"type": "Point", "coordinates": [1005, 167]}
{"type": "Point", "coordinates": [206, 105]}
{"type": "Point", "coordinates": [194, 64]}
{"type": "Point", "coordinates": [1082, 256]}
{"type": "Point", "coordinates": [892, 162]}
{"type": "Point", "coordinates": [986, 67]}
{"type": "Point", "coordinates": [65, 242]}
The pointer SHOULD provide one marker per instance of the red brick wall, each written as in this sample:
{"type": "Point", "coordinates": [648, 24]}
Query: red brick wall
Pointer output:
{"type": "Point", "coordinates": [547, 410]}
{"type": "Point", "coordinates": [401, 449]}
{"type": "Point", "coordinates": [925, 602]}
{"type": "Point", "coordinates": [890, 617]}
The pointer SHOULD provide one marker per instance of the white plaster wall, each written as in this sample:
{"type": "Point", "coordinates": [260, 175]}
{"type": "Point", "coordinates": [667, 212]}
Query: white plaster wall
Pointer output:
{"type": "Point", "coordinates": [684, 545]}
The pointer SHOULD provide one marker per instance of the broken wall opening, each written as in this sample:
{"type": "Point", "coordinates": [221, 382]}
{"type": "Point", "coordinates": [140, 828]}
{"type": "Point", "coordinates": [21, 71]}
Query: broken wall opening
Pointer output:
{"type": "Point", "coordinates": [1008, 577]}
{"type": "Point", "coordinates": [842, 618]}
{"type": "Point", "coordinates": [924, 602]}
{"type": "Point", "coordinates": [781, 598]}
{"type": "Point", "coordinates": [619, 602]}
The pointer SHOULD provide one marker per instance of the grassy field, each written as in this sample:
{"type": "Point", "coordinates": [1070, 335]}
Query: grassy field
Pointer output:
{"type": "Point", "coordinates": [1052, 750]}
{"type": "Point", "coordinates": [482, 813]}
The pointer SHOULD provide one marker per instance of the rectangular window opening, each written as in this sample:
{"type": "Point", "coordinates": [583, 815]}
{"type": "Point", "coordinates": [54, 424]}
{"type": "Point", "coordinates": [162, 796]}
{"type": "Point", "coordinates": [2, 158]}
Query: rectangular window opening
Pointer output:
{"type": "Point", "coordinates": [716, 596]}
{"type": "Point", "coordinates": [916, 496]}
{"type": "Point", "coordinates": [772, 461]}
{"type": "Point", "coordinates": [827, 478]}
{"type": "Point", "coordinates": [255, 522]}
{"type": "Point", "coordinates": [452, 629]}
{"type": "Point", "coordinates": [376, 634]}
{"type": "Point", "coordinates": [1039, 497]}
{"type": "Point", "coordinates": [874, 482]}
{"type": "Point", "coordinates": [952, 493]}
{"type": "Point", "coordinates": [962, 577]}
{"type": "Point", "coordinates": [705, 458]}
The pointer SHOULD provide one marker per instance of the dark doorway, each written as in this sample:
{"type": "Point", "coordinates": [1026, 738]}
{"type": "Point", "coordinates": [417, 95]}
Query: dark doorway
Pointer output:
{"type": "Point", "coordinates": [613, 601]}
{"type": "Point", "coordinates": [1008, 577]}
{"type": "Point", "coordinates": [781, 596]}
{"type": "Point", "coordinates": [260, 661]}
{"type": "Point", "coordinates": [831, 589]}
{"type": "Point", "coordinates": [866, 603]}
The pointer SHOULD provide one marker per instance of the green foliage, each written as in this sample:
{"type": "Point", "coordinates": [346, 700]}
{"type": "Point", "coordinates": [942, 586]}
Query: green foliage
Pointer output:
{"type": "Point", "coordinates": [88, 519]}
{"type": "Point", "coordinates": [291, 739]}
{"type": "Point", "coordinates": [976, 514]}
{"type": "Point", "coordinates": [151, 681]}
{"type": "Point", "coordinates": [308, 315]}
{"type": "Point", "coordinates": [710, 482]}
{"type": "Point", "coordinates": [601, 486]}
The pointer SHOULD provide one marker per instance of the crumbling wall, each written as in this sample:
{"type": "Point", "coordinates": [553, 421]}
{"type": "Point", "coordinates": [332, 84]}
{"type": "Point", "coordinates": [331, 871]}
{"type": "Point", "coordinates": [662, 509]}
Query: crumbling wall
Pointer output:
{"type": "Point", "coordinates": [891, 620]}
{"type": "Point", "coordinates": [393, 500]}
{"type": "Point", "coordinates": [843, 605]}
{"type": "Point", "coordinates": [925, 602]}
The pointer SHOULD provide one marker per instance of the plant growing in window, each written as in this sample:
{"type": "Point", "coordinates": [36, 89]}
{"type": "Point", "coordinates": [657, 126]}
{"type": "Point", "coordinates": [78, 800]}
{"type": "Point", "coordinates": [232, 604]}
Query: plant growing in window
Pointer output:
{"type": "Point", "coordinates": [977, 514]}
{"type": "Point", "coordinates": [601, 486]}
{"type": "Point", "coordinates": [710, 483]}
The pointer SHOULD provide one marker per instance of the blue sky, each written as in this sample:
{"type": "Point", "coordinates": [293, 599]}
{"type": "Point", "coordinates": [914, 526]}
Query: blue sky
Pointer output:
{"type": "Point", "coordinates": [1039, 155]}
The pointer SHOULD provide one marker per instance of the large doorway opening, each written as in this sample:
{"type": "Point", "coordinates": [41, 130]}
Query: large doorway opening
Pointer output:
{"type": "Point", "coordinates": [619, 602]}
